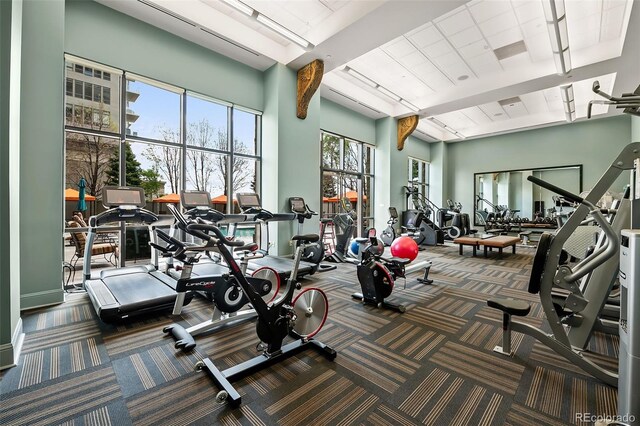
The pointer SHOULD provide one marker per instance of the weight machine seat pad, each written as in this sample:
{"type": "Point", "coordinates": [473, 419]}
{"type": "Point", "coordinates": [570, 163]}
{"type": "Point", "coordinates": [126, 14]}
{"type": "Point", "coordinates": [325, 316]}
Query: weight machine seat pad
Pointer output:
{"type": "Point", "coordinates": [312, 238]}
{"type": "Point", "coordinates": [539, 262]}
{"type": "Point", "coordinates": [519, 308]}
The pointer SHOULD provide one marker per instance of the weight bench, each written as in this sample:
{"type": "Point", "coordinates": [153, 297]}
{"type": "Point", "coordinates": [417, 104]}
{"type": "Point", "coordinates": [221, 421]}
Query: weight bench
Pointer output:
{"type": "Point", "coordinates": [499, 242]}
{"type": "Point", "coordinates": [468, 241]}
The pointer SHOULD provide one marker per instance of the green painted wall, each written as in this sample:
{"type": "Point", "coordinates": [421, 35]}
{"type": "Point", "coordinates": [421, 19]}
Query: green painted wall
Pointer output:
{"type": "Point", "coordinates": [10, 65]}
{"type": "Point", "coordinates": [438, 178]}
{"type": "Point", "coordinates": [41, 153]}
{"type": "Point", "coordinates": [99, 33]}
{"type": "Point", "coordinates": [337, 119]}
{"type": "Point", "coordinates": [635, 128]}
{"type": "Point", "coordinates": [593, 143]}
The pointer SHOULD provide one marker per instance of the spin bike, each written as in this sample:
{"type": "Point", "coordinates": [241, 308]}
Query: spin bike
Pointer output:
{"type": "Point", "coordinates": [301, 317]}
{"type": "Point", "coordinates": [377, 276]}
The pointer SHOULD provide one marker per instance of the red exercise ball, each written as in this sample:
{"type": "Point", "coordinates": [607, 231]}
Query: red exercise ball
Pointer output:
{"type": "Point", "coordinates": [404, 247]}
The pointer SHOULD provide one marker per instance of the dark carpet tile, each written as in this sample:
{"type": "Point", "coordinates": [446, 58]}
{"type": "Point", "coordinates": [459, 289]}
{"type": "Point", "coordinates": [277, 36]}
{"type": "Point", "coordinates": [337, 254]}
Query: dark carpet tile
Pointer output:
{"type": "Point", "coordinates": [433, 365]}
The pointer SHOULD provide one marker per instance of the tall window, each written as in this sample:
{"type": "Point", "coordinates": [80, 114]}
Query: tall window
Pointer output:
{"type": "Point", "coordinates": [127, 129]}
{"type": "Point", "coordinates": [347, 172]}
{"type": "Point", "coordinates": [418, 178]}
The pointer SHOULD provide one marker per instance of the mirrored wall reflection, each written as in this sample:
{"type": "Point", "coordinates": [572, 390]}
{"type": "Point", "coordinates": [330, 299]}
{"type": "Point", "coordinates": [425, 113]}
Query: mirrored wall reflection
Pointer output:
{"type": "Point", "coordinates": [509, 195]}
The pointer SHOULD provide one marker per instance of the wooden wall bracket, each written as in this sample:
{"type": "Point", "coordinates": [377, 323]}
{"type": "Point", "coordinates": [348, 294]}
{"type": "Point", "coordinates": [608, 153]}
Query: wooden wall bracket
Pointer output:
{"type": "Point", "coordinates": [309, 78]}
{"type": "Point", "coordinates": [406, 126]}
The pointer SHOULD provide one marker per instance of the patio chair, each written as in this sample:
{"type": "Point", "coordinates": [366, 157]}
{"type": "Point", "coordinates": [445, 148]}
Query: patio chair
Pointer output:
{"type": "Point", "coordinates": [108, 249]}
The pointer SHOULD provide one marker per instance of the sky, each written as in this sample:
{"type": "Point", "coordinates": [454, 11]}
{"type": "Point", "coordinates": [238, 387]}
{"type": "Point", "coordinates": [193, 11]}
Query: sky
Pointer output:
{"type": "Point", "coordinates": [158, 108]}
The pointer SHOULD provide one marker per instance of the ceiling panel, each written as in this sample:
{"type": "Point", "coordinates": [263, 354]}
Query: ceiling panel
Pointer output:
{"type": "Point", "coordinates": [424, 36]}
{"type": "Point", "coordinates": [476, 114]}
{"type": "Point", "coordinates": [485, 10]}
{"type": "Point", "coordinates": [485, 65]}
{"type": "Point", "coordinates": [505, 37]}
{"type": "Point", "coordinates": [535, 102]}
{"type": "Point", "coordinates": [499, 23]}
{"type": "Point", "coordinates": [439, 48]}
{"type": "Point", "coordinates": [399, 48]}
{"type": "Point", "coordinates": [528, 10]}
{"type": "Point", "coordinates": [515, 110]}
{"type": "Point", "coordinates": [465, 37]}
{"type": "Point", "coordinates": [612, 21]}
{"type": "Point", "coordinates": [474, 49]}
{"type": "Point", "coordinates": [494, 111]}
{"type": "Point", "coordinates": [456, 22]}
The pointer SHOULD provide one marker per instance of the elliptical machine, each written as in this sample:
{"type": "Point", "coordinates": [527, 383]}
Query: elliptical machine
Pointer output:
{"type": "Point", "coordinates": [301, 317]}
{"type": "Point", "coordinates": [344, 224]}
{"type": "Point", "coordinates": [389, 234]}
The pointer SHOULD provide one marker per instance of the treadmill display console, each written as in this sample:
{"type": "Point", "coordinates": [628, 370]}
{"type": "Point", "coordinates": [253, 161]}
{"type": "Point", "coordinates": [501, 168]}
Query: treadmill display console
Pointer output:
{"type": "Point", "coordinates": [114, 196]}
{"type": "Point", "coordinates": [247, 200]}
{"type": "Point", "coordinates": [191, 199]}
{"type": "Point", "coordinates": [297, 205]}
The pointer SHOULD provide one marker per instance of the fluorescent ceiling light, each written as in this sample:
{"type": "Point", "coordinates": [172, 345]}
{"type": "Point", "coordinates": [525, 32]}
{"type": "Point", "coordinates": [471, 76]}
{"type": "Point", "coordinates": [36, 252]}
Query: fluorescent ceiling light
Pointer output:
{"type": "Point", "coordinates": [389, 93]}
{"type": "Point", "coordinates": [445, 127]}
{"type": "Point", "coordinates": [238, 5]}
{"type": "Point", "coordinates": [283, 31]}
{"type": "Point", "coordinates": [566, 92]}
{"type": "Point", "coordinates": [409, 105]}
{"type": "Point", "coordinates": [556, 18]}
{"type": "Point", "coordinates": [361, 77]}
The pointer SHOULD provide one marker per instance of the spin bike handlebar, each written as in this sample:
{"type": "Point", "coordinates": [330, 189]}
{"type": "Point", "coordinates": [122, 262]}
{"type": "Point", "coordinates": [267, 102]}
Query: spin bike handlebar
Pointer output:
{"type": "Point", "coordinates": [198, 228]}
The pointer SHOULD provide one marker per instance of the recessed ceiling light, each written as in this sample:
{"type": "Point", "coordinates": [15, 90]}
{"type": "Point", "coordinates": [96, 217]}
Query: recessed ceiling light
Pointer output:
{"type": "Point", "coordinates": [463, 77]}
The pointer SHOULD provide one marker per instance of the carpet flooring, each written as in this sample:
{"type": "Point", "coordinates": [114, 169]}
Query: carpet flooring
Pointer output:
{"type": "Point", "coordinates": [431, 365]}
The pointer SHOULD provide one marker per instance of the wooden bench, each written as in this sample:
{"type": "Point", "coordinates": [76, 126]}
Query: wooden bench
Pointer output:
{"type": "Point", "coordinates": [468, 241]}
{"type": "Point", "coordinates": [499, 242]}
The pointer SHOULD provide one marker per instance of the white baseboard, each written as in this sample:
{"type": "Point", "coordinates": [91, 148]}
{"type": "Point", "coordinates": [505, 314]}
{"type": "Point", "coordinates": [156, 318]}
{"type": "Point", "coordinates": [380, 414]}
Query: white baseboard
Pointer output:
{"type": "Point", "coordinates": [10, 352]}
{"type": "Point", "coordinates": [41, 299]}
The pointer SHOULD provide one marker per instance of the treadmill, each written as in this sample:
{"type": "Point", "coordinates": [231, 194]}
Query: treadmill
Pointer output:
{"type": "Point", "coordinates": [249, 204]}
{"type": "Point", "coordinates": [198, 206]}
{"type": "Point", "coordinates": [125, 292]}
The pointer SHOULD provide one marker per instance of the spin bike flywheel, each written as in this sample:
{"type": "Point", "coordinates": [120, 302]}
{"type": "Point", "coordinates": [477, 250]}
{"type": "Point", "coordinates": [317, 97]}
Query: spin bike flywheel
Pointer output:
{"type": "Point", "coordinates": [311, 307]}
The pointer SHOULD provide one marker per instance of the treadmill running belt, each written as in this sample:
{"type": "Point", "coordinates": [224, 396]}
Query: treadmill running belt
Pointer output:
{"type": "Point", "coordinates": [137, 290]}
{"type": "Point", "coordinates": [282, 265]}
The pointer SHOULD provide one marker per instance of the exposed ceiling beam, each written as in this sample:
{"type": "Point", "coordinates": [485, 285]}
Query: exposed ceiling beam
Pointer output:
{"type": "Point", "coordinates": [387, 22]}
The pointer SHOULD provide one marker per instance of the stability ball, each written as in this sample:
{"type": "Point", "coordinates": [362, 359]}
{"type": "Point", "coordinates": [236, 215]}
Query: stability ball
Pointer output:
{"type": "Point", "coordinates": [354, 248]}
{"type": "Point", "coordinates": [404, 247]}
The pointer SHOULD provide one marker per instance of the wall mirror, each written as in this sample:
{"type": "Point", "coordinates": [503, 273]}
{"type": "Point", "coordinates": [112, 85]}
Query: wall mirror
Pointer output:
{"type": "Point", "coordinates": [510, 191]}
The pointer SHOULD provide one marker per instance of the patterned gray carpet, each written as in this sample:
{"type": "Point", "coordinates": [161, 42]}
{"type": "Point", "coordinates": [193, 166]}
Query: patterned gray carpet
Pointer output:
{"type": "Point", "coordinates": [431, 365]}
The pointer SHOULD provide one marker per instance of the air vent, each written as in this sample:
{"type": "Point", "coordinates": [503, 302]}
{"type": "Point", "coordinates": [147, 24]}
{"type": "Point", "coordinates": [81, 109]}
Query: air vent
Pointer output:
{"type": "Point", "coordinates": [510, 50]}
{"type": "Point", "coordinates": [167, 12]}
{"type": "Point", "coordinates": [510, 101]}
{"type": "Point", "coordinates": [229, 41]}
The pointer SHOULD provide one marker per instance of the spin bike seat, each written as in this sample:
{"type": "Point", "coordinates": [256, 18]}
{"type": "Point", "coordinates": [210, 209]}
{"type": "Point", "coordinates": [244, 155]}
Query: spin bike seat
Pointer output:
{"type": "Point", "coordinates": [400, 261]}
{"type": "Point", "coordinates": [361, 240]}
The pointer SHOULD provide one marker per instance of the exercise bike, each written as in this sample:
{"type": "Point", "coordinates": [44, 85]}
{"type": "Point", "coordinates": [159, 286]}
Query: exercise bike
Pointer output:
{"type": "Point", "coordinates": [218, 287]}
{"type": "Point", "coordinates": [377, 276]}
{"type": "Point", "coordinates": [301, 317]}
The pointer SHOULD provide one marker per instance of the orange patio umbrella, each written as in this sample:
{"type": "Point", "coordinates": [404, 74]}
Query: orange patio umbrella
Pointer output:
{"type": "Point", "coordinates": [221, 199]}
{"type": "Point", "coordinates": [71, 194]}
{"type": "Point", "coordinates": [168, 198]}
{"type": "Point", "coordinates": [351, 195]}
